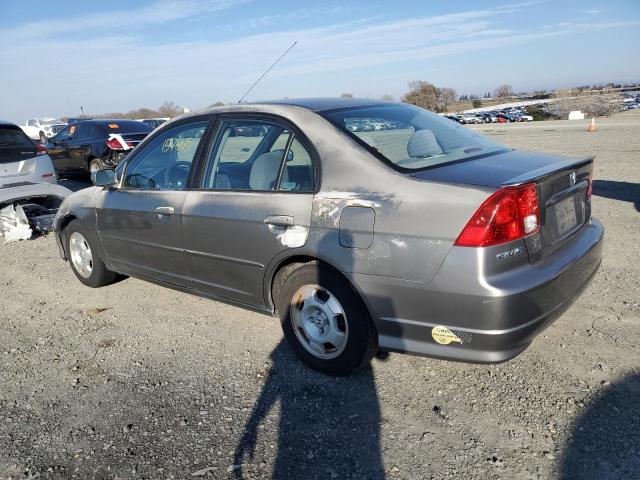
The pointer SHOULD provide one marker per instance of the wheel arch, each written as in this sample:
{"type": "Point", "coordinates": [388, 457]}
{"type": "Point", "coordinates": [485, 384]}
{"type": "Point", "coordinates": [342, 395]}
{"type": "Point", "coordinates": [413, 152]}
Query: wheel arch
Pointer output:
{"type": "Point", "coordinates": [59, 228]}
{"type": "Point", "coordinates": [300, 259]}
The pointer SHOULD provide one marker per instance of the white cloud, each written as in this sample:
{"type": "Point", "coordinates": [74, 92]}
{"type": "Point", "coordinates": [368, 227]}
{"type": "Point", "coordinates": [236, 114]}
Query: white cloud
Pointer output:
{"type": "Point", "coordinates": [161, 11]}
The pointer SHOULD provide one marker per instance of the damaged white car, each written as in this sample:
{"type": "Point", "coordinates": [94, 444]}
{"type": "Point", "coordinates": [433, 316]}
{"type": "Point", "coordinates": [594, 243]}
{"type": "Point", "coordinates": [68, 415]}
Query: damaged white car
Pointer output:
{"type": "Point", "coordinates": [27, 207]}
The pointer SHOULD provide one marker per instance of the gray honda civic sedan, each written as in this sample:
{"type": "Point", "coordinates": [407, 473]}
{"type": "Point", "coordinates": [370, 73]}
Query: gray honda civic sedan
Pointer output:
{"type": "Point", "coordinates": [363, 225]}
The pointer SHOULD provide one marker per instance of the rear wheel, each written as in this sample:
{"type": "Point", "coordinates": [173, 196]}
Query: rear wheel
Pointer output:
{"type": "Point", "coordinates": [85, 262]}
{"type": "Point", "coordinates": [324, 319]}
{"type": "Point", "coordinates": [95, 164]}
{"type": "Point", "coordinates": [43, 138]}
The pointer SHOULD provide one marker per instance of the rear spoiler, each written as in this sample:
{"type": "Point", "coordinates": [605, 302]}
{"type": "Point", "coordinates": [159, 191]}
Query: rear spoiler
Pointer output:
{"type": "Point", "coordinates": [547, 170]}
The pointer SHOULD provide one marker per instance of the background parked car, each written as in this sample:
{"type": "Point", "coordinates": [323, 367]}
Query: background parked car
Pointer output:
{"type": "Point", "coordinates": [42, 128]}
{"type": "Point", "coordinates": [21, 160]}
{"type": "Point", "coordinates": [91, 145]}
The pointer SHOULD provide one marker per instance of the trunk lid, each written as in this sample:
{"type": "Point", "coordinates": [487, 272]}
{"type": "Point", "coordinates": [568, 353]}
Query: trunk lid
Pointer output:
{"type": "Point", "coordinates": [562, 186]}
{"type": "Point", "coordinates": [134, 138]}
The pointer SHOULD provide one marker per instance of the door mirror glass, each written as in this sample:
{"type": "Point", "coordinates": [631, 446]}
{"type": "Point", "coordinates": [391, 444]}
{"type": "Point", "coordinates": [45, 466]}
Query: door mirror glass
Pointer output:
{"type": "Point", "coordinates": [104, 178]}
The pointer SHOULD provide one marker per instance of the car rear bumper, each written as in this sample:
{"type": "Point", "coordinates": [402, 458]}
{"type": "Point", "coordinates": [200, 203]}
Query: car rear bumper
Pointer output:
{"type": "Point", "coordinates": [492, 318]}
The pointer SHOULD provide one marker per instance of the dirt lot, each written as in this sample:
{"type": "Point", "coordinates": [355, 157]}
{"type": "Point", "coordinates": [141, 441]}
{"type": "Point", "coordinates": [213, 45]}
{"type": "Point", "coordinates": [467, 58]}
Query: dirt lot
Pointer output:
{"type": "Point", "coordinates": [137, 381]}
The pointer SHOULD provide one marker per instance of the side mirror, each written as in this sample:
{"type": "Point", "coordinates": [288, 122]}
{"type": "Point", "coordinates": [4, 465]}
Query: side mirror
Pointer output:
{"type": "Point", "coordinates": [104, 178]}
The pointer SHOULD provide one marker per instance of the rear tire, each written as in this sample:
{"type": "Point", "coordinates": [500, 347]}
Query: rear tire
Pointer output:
{"type": "Point", "coordinates": [323, 319]}
{"type": "Point", "coordinates": [95, 164]}
{"type": "Point", "coordinates": [43, 138]}
{"type": "Point", "coordinates": [83, 257]}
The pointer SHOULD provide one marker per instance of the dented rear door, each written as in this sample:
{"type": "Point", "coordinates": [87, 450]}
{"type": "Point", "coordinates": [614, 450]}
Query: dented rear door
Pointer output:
{"type": "Point", "coordinates": [230, 236]}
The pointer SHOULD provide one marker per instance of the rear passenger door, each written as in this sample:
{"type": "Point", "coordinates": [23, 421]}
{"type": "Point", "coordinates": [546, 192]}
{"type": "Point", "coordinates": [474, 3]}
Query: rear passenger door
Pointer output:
{"type": "Point", "coordinates": [253, 203]}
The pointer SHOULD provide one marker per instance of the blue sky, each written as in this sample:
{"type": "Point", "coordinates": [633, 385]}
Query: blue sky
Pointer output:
{"type": "Point", "coordinates": [120, 55]}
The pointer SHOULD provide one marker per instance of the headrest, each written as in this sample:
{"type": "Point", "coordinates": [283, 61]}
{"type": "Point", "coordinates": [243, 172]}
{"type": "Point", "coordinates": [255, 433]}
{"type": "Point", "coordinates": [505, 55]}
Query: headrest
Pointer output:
{"type": "Point", "coordinates": [423, 144]}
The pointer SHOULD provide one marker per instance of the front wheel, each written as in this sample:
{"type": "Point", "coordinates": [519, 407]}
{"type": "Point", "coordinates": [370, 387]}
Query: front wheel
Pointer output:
{"type": "Point", "coordinates": [85, 263]}
{"type": "Point", "coordinates": [43, 138]}
{"type": "Point", "coordinates": [323, 319]}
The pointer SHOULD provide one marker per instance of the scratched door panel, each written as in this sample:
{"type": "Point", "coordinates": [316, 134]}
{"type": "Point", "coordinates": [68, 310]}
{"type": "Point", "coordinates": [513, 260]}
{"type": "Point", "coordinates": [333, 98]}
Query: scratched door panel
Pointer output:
{"type": "Point", "coordinates": [228, 244]}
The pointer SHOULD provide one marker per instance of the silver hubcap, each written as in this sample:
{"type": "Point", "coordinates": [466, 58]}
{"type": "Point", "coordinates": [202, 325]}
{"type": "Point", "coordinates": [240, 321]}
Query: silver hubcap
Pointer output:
{"type": "Point", "coordinates": [80, 254]}
{"type": "Point", "coordinates": [319, 321]}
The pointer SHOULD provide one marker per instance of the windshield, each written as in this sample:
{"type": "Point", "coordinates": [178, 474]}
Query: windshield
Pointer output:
{"type": "Point", "coordinates": [411, 137]}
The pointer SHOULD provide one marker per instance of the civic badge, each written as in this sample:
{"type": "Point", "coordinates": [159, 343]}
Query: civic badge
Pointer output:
{"type": "Point", "coordinates": [572, 178]}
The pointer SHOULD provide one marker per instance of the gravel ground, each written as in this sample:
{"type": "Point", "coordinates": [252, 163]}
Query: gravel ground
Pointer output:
{"type": "Point", "coordinates": [138, 381]}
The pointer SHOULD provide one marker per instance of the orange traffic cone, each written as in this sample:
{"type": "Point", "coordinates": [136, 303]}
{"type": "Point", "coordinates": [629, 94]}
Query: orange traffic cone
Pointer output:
{"type": "Point", "coordinates": [592, 125]}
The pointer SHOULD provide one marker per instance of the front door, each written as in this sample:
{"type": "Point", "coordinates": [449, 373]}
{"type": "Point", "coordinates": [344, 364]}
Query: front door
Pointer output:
{"type": "Point", "coordinates": [254, 203]}
{"type": "Point", "coordinates": [139, 223]}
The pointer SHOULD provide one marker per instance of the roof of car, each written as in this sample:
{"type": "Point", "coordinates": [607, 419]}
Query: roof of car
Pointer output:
{"type": "Point", "coordinates": [320, 104]}
{"type": "Point", "coordinates": [105, 121]}
{"type": "Point", "coordinates": [6, 123]}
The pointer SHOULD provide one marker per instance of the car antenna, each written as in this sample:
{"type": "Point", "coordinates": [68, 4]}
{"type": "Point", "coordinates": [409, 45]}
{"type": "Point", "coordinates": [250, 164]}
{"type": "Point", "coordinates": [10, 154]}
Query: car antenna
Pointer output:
{"type": "Point", "coordinates": [267, 71]}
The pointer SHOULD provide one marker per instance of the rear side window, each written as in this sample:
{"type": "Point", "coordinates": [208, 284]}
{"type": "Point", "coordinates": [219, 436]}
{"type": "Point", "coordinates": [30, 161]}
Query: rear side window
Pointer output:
{"type": "Point", "coordinates": [85, 130]}
{"type": "Point", "coordinates": [258, 155]}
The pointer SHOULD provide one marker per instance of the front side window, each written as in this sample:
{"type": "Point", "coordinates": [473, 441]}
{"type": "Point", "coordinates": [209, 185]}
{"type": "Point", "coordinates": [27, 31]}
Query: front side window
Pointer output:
{"type": "Point", "coordinates": [258, 155]}
{"type": "Point", "coordinates": [410, 137]}
{"type": "Point", "coordinates": [165, 162]}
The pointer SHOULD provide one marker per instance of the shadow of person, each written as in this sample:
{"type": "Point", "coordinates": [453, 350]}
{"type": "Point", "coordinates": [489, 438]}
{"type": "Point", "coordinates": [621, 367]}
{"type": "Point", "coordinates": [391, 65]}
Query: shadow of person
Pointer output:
{"type": "Point", "coordinates": [623, 191]}
{"type": "Point", "coordinates": [605, 441]}
{"type": "Point", "coordinates": [328, 427]}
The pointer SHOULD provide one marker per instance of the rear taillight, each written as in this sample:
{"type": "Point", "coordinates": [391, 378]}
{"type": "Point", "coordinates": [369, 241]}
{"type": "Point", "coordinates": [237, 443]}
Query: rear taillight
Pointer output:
{"type": "Point", "coordinates": [115, 144]}
{"type": "Point", "coordinates": [509, 214]}
{"type": "Point", "coordinates": [590, 187]}
{"type": "Point", "coordinates": [41, 150]}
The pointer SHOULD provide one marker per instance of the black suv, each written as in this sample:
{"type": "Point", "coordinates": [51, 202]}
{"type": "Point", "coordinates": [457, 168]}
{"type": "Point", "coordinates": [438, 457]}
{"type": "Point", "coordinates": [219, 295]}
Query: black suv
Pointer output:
{"type": "Point", "coordinates": [91, 145]}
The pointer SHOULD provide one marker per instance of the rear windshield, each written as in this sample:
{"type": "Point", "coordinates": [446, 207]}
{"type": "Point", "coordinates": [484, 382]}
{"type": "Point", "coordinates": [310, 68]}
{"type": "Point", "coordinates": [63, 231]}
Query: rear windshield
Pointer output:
{"type": "Point", "coordinates": [410, 137]}
{"type": "Point", "coordinates": [126, 126]}
{"type": "Point", "coordinates": [13, 141]}
{"type": "Point", "coordinates": [11, 137]}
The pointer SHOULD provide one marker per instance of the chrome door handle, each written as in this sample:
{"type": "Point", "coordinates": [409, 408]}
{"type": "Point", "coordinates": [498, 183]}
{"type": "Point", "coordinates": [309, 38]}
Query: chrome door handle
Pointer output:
{"type": "Point", "coordinates": [280, 220]}
{"type": "Point", "coordinates": [164, 210]}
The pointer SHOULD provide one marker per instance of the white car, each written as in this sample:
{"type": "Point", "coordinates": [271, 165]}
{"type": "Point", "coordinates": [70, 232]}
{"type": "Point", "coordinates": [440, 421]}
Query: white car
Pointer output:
{"type": "Point", "coordinates": [42, 128]}
{"type": "Point", "coordinates": [21, 160]}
